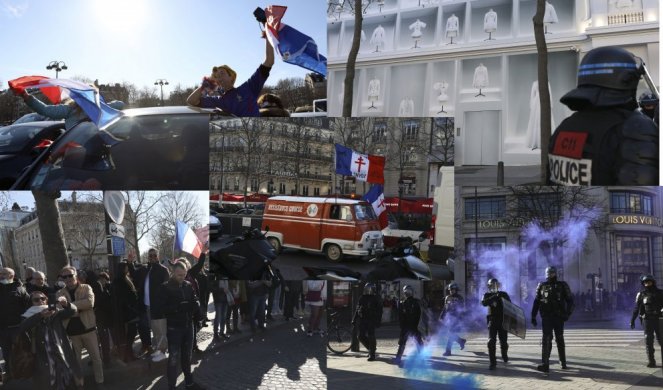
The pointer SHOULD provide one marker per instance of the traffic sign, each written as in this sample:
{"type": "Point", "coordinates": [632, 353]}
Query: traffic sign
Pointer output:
{"type": "Point", "coordinates": [117, 246]}
{"type": "Point", "coordinates": [114, 204]}
{"type": "Point", "coordinates": [116, 230]}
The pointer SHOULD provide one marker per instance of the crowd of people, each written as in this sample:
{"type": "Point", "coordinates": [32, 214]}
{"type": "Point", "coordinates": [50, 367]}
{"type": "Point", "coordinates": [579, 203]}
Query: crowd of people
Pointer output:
{"type": "Point", "coordinates": [164, 305]}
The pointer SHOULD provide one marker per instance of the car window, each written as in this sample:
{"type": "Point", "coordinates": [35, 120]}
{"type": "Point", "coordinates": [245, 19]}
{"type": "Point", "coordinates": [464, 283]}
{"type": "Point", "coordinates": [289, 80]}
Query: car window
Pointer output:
{"type": "Point", "coordinates": [148, 152]}
{"type": "Point", "coordinates": [14, 138]}
{"type": "Point", "coordinates": [364, 212]}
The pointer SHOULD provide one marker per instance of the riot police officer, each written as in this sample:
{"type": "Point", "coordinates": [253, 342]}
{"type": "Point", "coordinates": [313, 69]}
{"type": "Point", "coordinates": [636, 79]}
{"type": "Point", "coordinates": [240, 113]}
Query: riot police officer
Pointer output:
{"type": "Point", "coordinates": [454, 305]}
{"type": "Point", "coordinates": [493, 300]}
{"type": "Point", "coordinates": [368, 316]}
{"type": "Point", "coordinates": [607, 141]}
{"type": "Point", "coordinates": [409, 314]}
{"type": "Point", "coordinates": [555, 303]}
{"type": "Point", "coordinates": [649, 306]}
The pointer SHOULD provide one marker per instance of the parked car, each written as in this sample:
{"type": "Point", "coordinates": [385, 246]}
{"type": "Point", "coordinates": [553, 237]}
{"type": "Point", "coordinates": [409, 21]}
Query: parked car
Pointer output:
{"type": "Point", "coordinates": [154, 148]}
{"type": "Point", "coordinates": [215, 226]}
{"type": "Point", "coordinates": [245, 211]}
{"type": "Point", "coordinates": [21, 143]}
{"type": "Point", "coordinates": [31, 117]}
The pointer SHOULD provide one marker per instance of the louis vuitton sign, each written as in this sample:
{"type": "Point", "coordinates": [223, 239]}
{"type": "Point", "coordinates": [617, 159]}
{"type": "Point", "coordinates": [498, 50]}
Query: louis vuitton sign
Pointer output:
{"type": "Point", "coordinates": [636, 220]}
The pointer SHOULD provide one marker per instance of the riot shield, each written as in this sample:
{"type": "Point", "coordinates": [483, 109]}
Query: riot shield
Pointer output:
{"type": "Point", "coordinates": [513, 320]}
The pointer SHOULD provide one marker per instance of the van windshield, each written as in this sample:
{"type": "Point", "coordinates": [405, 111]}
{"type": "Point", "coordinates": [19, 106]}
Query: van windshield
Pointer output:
{"type": "Point", "coordinates": [364, 212]}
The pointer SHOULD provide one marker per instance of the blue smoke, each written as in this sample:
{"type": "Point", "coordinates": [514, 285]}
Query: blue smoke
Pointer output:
{"type": "Point", "coordinates": [416, 365]}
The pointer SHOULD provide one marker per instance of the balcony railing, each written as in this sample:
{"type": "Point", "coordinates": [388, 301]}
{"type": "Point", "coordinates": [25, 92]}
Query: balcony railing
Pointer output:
{"type": "Point", "coordinates": [630, 17]}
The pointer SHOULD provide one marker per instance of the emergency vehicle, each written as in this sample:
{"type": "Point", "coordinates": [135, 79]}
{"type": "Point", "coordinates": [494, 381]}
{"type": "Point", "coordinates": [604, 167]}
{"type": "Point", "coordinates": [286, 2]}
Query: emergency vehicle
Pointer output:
{"type": "Point", "coordinates": [330, 225]}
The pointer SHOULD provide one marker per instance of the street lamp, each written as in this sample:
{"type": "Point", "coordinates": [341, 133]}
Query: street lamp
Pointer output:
{"type": "Point", "coordinates": [58, 66]}
{"type": "Point", "coordinates": [69, 253]}
{"type": "Point", "coordinates": [161, 83]}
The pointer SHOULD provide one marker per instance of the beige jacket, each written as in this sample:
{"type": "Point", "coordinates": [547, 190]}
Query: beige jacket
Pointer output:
{"type": "Point", "coordinates": [84, 301]}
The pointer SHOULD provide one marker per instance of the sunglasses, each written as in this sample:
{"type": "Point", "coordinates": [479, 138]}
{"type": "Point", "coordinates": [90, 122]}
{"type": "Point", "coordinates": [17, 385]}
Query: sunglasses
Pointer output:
{"type": "Point", "coordinates": [67, 276]}
{"type": "Point", "coordinates": [40, 299]}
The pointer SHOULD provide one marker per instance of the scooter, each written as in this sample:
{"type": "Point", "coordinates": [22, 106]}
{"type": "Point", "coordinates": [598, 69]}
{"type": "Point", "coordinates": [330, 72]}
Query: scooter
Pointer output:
{"type": "Point", "coordinates": [246, 257]}
{"type": "Point", "coordinates": [402, 262]}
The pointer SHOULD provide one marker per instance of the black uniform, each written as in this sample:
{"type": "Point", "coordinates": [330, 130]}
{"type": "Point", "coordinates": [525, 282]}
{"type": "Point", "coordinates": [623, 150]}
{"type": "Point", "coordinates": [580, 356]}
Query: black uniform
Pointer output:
{"type": "Point", "coordinates": [493, 300]}
{"type": "Point", "coordinates": [555, 303]}
{"type": "Point", "coordinates": [368, 316]}
{"type": "Point", "coordinates": [409, 315]}
{"type": "Point", "coordinates": [607, 141]}
{"type": "Point", "coordinates": [648, 305]}
{"type": "Point", "coordinates": [454, 305]}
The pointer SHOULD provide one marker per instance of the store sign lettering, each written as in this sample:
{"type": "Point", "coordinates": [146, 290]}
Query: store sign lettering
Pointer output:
{"type": "Point", "coordinates": [501, 223]}
{"type": "Point", "coordinates": [637, 219]}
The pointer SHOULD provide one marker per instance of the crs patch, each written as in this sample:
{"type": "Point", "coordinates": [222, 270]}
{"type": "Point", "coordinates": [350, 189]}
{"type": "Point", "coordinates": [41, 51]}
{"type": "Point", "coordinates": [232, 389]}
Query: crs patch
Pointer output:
{"type": "Point", "coordinates": [570, 144]}
{"type": "Point", "coordinates": [569, 171]}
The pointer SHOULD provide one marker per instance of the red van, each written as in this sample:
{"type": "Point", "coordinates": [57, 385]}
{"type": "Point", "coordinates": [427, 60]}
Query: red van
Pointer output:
{"type": "Point", "coordinates": [333, 226]}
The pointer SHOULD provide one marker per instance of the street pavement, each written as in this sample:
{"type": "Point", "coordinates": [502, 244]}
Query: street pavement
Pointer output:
{"type": "Point", "coordinates": [597, 358]}
{"type": "Point", "coordinates": [281, 357]}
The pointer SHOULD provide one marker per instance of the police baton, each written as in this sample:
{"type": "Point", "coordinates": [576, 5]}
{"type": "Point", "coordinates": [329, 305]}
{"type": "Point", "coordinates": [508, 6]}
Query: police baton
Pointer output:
{"type": "Point", "coordinates": [648, 80]}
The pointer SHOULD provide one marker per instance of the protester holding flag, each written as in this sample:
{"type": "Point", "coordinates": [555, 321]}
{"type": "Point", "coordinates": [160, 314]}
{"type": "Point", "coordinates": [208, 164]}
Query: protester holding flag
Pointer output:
{"type": "Point", "coordinates": [241, 101]}
{"type": "Point", "coordinates": [73, 101]}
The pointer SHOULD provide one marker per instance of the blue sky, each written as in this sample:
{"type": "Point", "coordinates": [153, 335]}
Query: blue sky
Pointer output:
{"type": "Point", "coordinates": [139, 41]}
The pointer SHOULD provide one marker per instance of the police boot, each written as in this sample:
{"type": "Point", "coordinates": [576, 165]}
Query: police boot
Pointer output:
{"type": "Point", "coordinates": [545, 356]}
{"type": "Point", "coordinates": [371, 356]}
{"type": "Point", "coordinates": [492, 351]}
{"type": "Point", "coordinates": [650, 357]}
{"type": "Point", "coordinates": [399, 355]}
{"type": "Point", "coordinates": [561, 350]}
{"type": "Point", "coordinates": [505, 357]}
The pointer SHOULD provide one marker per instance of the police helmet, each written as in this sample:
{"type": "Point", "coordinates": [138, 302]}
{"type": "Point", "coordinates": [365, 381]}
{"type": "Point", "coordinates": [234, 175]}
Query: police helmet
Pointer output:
{"type": "Point", "coordinates": [607, 76]}
{"type": "Point", "coordinates": [551, 272]}
{"type": "Point", "coordinates": [408, 290]}
{"type": "Point", "coordinates": [369, 289]}
{"type": "Point", "coordinates": [493, 284]}
{"type": "Point", "coordinates": [452, 286]}
{"type": "Point", "coordinates": [646, 278]}
{"type": "Point", "coordinates": [649, 104]}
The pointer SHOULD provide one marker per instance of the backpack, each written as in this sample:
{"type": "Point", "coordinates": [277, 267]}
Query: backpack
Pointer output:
{"type": "Point", "coordinates": [22, 359]}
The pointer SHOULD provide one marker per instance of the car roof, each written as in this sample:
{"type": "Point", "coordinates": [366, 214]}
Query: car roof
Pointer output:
{"type": "Point", "coordinates": [168, 110]}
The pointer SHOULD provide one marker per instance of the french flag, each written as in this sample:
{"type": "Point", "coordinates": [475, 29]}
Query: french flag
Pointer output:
{"type": "Point", "coordinates": [364, 167]}
{"type": "Point", "coordinates": [293, 46]}
{"type": "Point", "coordinates": [375, 196]}
{"type": "Point", "coordinates": [187, 241]}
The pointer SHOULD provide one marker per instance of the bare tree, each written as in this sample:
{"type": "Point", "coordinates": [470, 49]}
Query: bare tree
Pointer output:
{"type": "Point", "coordinates": [85, 227]}
{"type": "Point", "coordinates": [544, 92]}
{"type": "Point", "coordinates": [141, 207]}
{"type": "Point", "coordinates": [442, 138]}
{"type": "Point", "coordinates": [352, 59]}
{"type": "Point", "coordinates": [252, 139]}
{"type": "Point", "coordinates": [147, 97]}
{"type": "Point", "coordinates": [51, 232]}
{"type": "Point", "coordinates": [179, 95]}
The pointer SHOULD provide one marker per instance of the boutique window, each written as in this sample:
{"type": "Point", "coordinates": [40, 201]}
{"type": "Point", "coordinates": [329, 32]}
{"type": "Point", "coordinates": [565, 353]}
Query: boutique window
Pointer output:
{"type": "Point", "coordinates": [493, 207]}
{"type": "Point", "coordinates": [630, 203]}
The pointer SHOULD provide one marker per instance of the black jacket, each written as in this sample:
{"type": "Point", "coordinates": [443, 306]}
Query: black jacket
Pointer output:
{"type": "Point", "coordinates": [553, 299]}
{"type": "Point", "coordinates": [180, 304]}
{"type": "Point", "coordinates": [409, 313]}
{"type": "Point", "coordinates": [648, 304]}
{"type": "Point", "coordinates": [124, 301]}
{"type": "Point", "coordinates": [494, 303]}
{"type": "Point", "coordinates": [158, 276]}
{"type": "Point", "coordinates": [369, 311]}
{"type": "Point", "coordinates": [14, 301]}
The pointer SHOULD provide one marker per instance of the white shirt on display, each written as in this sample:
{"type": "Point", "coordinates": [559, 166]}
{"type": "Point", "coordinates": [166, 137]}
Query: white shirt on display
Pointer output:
{"type": "Point", "coordinates": [374, 89]}
{"type": "Point", "coordinates": [377, 39]}
{"type": "Point", "coordinates": [551, 15]}
{"type": "Point", "coordinates": [416, 27]}
{"type": "Point", "coordinates": [452, 26]}
{"type": "Point", "coordinates": [480, 77]}
{"type": "Point", "coordinates": [490, 21]}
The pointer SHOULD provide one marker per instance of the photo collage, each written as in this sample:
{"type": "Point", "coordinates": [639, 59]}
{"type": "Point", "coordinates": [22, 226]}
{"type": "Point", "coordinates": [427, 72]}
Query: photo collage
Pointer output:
{"type": "Point", "coordinates": [239, 195]}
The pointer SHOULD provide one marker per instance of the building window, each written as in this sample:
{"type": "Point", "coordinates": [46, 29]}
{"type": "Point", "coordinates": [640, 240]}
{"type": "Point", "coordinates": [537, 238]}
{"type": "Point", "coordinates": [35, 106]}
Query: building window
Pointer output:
{"type": "Point", "coordinates": [539, 204]}
{"type": "Point", "coordinates": [316, 191]}
{"type": "Point", "coordinates": [411, 130]}
{"type": "Point", "coordinates": [305, 190]}
{"type": "Point", "coordinates": [236, 186]}
{"type": "Point", "coordinates": [282, 188]}
{"type": "Point", "coordinates": [630, 203]}
{"type": "Point", "coordinates": [254, 184]}
{"type": "Point", "coordinates": [492, 207]}
{"type": "Point", "coordinates": [633, 260]}
{"type": "Point", "coordinates": [380, 132]}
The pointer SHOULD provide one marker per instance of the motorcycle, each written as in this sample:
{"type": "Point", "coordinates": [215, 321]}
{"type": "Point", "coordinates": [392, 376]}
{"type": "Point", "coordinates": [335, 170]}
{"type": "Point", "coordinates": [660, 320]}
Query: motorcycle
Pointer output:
{"type": "Point", "coordinates": [246, 257]}
{"type": "Point", "coordinates": [402, 262]}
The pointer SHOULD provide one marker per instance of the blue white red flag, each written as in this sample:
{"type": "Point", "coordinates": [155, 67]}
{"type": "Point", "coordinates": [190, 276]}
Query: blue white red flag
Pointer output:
{"type": "Point", "coordinates": [187, 241]}
{"type": "Point", "coordinates": [364, 167]}
{"type": "Point", "coordinates": [86, 96]}
{"type": "Point", "coordinates": [375, 196]}
{"type": "Point", "coordinates": [293, 46]}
